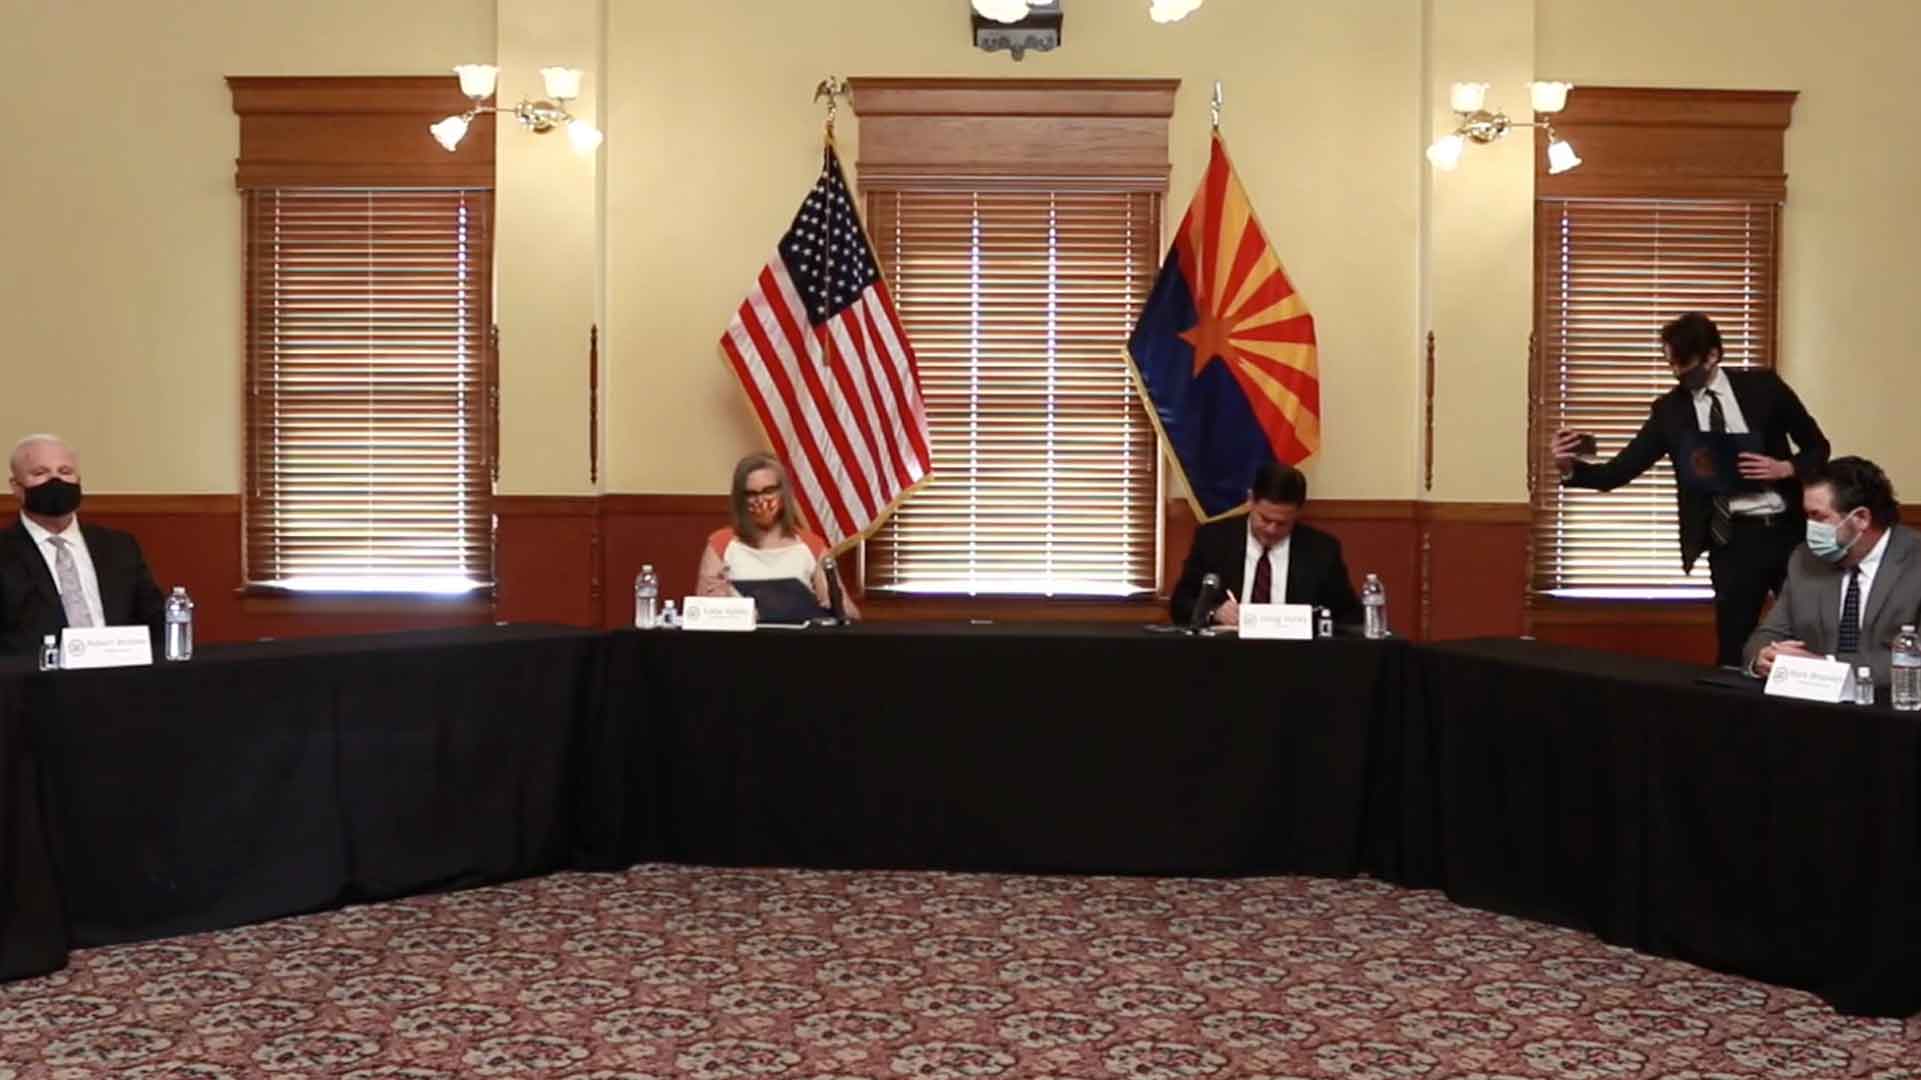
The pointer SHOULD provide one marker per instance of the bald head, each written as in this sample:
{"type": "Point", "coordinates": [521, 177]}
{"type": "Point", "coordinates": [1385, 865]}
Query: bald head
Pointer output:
{"type": "Point", "coordinates": [36, 449]}
{"type": "Point", "coordinates": [37, 459]}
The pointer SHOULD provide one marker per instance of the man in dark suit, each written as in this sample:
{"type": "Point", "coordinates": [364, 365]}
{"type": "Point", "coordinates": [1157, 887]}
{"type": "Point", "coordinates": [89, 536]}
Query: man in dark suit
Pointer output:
{"type": "Point", "coordinates": [1748, 535]}
{"type": "Point", "coordinates": [1267, 556]}
{"type": "Point", "coordinates": [56, 572]}
{"type": "Point", "coordinates": [1854, 584]}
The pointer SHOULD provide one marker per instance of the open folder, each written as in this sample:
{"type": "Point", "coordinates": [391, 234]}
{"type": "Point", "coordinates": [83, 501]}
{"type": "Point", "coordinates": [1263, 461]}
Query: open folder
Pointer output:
{"type": "Point", "coordinates": [1710, 462]}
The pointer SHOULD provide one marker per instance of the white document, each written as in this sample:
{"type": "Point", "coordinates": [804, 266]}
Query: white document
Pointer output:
{"type": "Point", "coordinates": [732, 613]}
{"type": "Point", "coordinates": [105, 646]}
{"type": "Point", "coordinates": [1277, 622]}
{"type": "Point", "coordinates": [1812, 678]}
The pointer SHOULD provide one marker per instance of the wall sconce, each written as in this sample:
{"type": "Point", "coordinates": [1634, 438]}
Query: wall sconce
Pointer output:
{"type": "Point", "coordinates": [1469, 102]}
{"type": "Point", "coordinates": [562, 85]}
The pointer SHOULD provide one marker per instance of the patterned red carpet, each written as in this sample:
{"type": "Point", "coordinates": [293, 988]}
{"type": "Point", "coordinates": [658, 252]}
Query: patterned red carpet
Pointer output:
{"type": "Point", "coordinates": [683, 971]}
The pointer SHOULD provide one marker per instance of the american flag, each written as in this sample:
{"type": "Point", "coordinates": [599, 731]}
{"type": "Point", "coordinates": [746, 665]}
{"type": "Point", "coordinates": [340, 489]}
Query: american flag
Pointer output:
{"type": "Point", "coordinates": [824, 360]}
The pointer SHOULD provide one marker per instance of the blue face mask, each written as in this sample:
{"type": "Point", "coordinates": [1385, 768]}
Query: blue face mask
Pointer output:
{"type": "Point", "coordinates": [1825, 542]}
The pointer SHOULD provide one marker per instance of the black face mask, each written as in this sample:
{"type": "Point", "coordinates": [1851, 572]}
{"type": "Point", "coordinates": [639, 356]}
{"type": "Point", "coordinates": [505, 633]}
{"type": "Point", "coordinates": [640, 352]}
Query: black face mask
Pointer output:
{"type": "Point", "coordinates": [54, 498]}
{"type": "Point", "coordinates": [1696, 378]}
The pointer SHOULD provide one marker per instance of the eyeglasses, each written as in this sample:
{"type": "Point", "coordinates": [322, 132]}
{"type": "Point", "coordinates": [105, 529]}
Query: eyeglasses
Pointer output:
{"type": "Point", "coordinates": [762, 494]}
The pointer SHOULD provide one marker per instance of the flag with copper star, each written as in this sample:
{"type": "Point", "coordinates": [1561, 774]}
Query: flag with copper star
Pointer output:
{"type": "Point", "coordinates": [1225, 350]}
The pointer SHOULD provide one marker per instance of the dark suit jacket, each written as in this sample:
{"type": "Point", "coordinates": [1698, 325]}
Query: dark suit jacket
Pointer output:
{"type": "Point", "coordinates": [1316, 573]}
{"type": "Point", "coordinates": [1771, 410]}
{"type": "Point", "coordinates": [30, 602]}
{"type": "Point", "coordinates": [1809, 606]}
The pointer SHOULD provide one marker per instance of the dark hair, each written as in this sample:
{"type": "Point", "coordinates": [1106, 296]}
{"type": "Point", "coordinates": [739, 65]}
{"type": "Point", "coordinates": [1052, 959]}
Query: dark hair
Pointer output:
{"type": "Point", "coordinates": [1278, 482]}
{"type": "Point", "coordinates": [1691, 337]}
{"type": "Point", "coordinates": [1856, 482]}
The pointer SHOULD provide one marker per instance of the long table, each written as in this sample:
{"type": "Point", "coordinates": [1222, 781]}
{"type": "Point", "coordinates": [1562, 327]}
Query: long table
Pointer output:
{"type": "Point", "coordinates": [262, 780]}
{"type": "Point", "coordinates": [1020, 748]}
{"type": "Point", "coordinates": [1775, 839]}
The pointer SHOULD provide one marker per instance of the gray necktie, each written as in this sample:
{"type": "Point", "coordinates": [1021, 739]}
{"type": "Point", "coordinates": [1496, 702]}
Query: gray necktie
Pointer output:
{"type": "Point", "coordinates": [72, 596]}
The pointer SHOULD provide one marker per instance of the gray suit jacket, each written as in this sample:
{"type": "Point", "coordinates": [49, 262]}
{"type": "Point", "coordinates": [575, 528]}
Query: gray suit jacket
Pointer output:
{"type": "Point", "coordinates": [1809, 606]}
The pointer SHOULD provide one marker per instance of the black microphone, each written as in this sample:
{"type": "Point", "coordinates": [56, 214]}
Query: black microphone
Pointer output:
{"type": "Point", "coordinates": [1205, 603]}
{"type": "Point", "coordinates": [836, 603]}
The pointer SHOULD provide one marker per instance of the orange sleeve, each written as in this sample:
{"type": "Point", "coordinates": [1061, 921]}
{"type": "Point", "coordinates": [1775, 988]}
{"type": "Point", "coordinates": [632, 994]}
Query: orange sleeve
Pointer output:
{"type": "Point", "coordinates": [718, 540]}
{"type": "Point", "coordinates": [815, 544]}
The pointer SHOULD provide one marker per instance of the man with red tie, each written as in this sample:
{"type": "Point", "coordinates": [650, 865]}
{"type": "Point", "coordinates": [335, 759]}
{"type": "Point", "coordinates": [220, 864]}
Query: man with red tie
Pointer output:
{"type": "Point", "coordinates": [1267, 556]}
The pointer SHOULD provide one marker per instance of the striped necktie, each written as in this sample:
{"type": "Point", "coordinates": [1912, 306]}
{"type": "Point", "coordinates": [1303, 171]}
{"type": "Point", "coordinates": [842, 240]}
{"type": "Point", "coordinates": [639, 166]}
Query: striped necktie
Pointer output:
{"type": "Point", "coordinates": [67, 573]}
{"type": "Point", "coordinates": [1721, 522]}
{"type": "Point", "coordinates": [1850, 637]}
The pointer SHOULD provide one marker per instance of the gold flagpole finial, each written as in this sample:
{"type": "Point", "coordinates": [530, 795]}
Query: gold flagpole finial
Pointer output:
{"type": "Point", "coordinates": [1214, 106]}
{"type": "Point", "coordinates": [832, 88]}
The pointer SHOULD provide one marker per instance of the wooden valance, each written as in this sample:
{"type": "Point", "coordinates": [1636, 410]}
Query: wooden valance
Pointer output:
{"type": "Point", "coordinates": [355, 131]}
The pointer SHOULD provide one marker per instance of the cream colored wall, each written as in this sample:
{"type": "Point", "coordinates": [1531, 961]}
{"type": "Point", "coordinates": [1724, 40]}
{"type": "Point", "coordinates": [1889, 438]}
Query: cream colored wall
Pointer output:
{"type": "Point", "coordinates": [1477, 294]}
{"type": "Point", "coordinates": [712, 141]}
{"type": "Point", "coordinates": [120, 282]}
{"type": "Point", "coordinates": [1850, 324]}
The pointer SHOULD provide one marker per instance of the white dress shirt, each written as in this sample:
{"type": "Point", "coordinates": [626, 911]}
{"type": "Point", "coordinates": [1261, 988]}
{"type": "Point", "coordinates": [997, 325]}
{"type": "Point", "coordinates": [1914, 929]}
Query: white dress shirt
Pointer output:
{"type": "Point", "coordinates": [1276, 565]}
{"type": "Point", "coordinates": [82, 561]}
{"type": "Point", "coordinates": [1754, 502]}
{"type": "Point", "coordinates": [1868, 566]}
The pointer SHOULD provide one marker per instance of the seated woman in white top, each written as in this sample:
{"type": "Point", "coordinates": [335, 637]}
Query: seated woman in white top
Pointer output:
{"type": "Point", "coordinates": [766, 541]}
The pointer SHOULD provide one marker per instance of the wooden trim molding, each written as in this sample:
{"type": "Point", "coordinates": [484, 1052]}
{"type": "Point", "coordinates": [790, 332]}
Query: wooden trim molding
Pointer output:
{"type": "Point", "coordinates": [1643, 142]}
{"type": "Point", "coordinates": [883, 96]}
{"type": "Point", "coordinates": [593, 403]}
{"type": "Point", "coordinates": [112, 505]}
{"type": "Point", "coordinates": [921, 132]}
{"type": "Point", "coordinates": [1427, 452]}
{"type": "Point", "coordinates": [355, 131]}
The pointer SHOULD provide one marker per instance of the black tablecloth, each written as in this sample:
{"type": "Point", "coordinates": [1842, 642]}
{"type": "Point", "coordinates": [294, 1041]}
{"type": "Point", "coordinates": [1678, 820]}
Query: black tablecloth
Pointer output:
{"type": "Point", "coordinates": [1035, 748]}
{"type": "Point", "coordinates": [1777, 839]}
{"type": "Point", "coordinates": [260, 780]}
{"type": "Point", "coordinates": [33, 929]}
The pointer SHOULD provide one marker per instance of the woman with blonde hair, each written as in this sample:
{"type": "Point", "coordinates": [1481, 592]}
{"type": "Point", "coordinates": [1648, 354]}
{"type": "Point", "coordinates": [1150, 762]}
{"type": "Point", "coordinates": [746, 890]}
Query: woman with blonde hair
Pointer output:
{"type": "Point", "coordinates": [766, 541]}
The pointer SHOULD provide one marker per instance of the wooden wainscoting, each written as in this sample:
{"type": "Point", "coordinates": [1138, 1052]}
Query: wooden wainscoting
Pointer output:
{"type": "Point", "coordinates": [1451, 569]}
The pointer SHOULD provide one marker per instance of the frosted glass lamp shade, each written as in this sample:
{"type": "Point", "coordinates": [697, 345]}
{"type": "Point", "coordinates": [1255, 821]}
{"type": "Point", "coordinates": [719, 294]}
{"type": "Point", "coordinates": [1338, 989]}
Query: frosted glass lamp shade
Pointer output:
{"type": "Point", "coordinates": [477, 80]}
{"type": "Point", "coordinates": [1467, 97]}
{"type": "Point", "coordinates": [585, 137]}
{"type": "Point", "coordinates": [1445, 154]}
{"type": "Point", "coordinates": [449, 132]}
{"type": "Point", "coordinates": [1560, 156]}
{"type": "Point", "coordinates": [1548, 97]}
{"type": "Point", "coordinates": [563, 83]}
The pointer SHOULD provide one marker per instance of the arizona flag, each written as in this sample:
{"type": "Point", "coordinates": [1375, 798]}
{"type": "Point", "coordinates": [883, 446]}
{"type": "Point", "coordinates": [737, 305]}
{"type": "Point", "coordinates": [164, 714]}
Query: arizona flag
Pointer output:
{"type": "Point", "coordinates": [1224, 349]}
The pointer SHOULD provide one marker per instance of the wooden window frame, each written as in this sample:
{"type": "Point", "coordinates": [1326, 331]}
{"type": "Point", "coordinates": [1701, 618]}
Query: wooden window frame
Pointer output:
{"type": "Point", "coordinates": [365, 132]}
{"type": "Point", "coordinates": [1009, 135]}
{"type": "Point", "coordinates": [1647, 144]}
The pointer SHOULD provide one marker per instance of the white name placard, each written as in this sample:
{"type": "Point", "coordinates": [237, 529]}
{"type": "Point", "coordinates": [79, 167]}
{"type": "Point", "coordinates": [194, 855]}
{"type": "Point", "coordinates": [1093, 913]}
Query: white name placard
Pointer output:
{"type": "Point", "coordinates": [1811, 678]}
{"type": "Point", "coordinates": [105, 646]}
{"type": "Point", "coordinates": [718, 613]}
{"type": "Point", "coordinates": [1277, 622]}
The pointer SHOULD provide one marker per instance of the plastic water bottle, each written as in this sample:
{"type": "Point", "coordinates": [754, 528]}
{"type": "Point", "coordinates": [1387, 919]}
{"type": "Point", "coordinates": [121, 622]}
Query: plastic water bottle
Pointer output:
{"type": "Point", "coordinates": [646, 598]}
{"type": "Point", "coordinates": [50, 653]}
{"type": "Point", "coordinates": [1864, 685]}
{"type": "Point", "coordinates": [179, 625]}
{"type": "Point", "coordinates": [1907, 670]}
{"type": "Point", "coordinates": [669, 618]}
{"type": "Point", "coordinates": [1374, 603]}
{"type": "Point", "coordinates": [1323, 623]}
